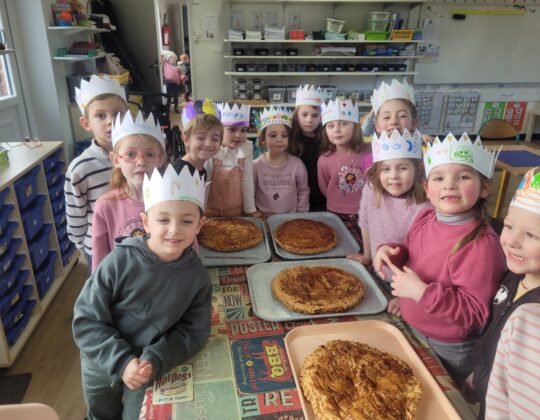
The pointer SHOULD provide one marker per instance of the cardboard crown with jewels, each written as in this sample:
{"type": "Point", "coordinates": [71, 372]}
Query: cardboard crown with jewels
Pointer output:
{"type": "Point", "coordinates": [394, 90]}
{"type": "Point", "coordinates": [192, 109]}
{"type": "Point", "coordinates": [528, 193]}
{"type": "Point", "coordinates": [173, 186]}
{"type": "Point", "coordinates": [95, 87]}
{"type": "Point", "coordinates": [396, 145]}
{"type": "Point", "coordinates": [339, 110]}
{"type": "Point", "coordinates": [273, 115]}
{"type": "Point", "coordinates": [235, 115]}
{"type": "Point", "coordinates": [127, 126]}
{"type": "Point", "coordinates": [309, 95]}
{"type": "Point", "coordinates": [464, 151]}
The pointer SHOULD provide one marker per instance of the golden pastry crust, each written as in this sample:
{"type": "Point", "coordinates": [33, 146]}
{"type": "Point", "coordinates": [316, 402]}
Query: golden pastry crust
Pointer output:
{"type": "Point", "coordinates": [230, 234]}
{"type": "Point", "coordinates": [306, 237]}
{"type": "Point", "coordinates": [349, 380]}
{"type": "Point", "coordinates": [317, 290]}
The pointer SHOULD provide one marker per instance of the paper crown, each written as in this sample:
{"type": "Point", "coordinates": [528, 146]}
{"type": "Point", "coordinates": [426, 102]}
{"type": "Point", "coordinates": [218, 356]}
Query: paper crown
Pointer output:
{"type": "Point", "coordinates": [463, 151]}
{"type": "Point", "coordinates": [309, 95]}
{"type": "Point", "coordinates": [273, 115]}
{"type": "Point", "coordinates": [528, 193]}
{"type": "Point", "coordinates": [394, 90]}
{"type": "Point", "coordinates": [173, 186]}
{"type": "Point", "coordinates": [192, 109]}
{"type": "Point", "coordinates": [396, 145]}
{"type": "Point", "coordinates": [339, 110]}
{"type": "Point", "coordinates": [126, 126]}
{"type": "Point", "coordinates": [235, 115]}
{"type": "Point", "coordinates": [95, 87]}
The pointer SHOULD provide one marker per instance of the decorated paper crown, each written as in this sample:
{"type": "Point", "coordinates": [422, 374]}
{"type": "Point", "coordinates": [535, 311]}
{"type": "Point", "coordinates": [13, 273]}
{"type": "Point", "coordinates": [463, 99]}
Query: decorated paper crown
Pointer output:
{"type": "Point", "coordinates": [528, 193]}
{"type": "Point", "coordinates": [126, 126]}
{"type": "Point", "coordinates": [238, 116]}
{"type": "Point", "coordinates": [309, 95]}
{"type": "Point", "coordinates": [339, 110]}
{"type": "Point", "coordinates": [396, 145]}
{"type": "Point", "coordinates": [192, 109]}
{"type": "Point", "coordinates": [394, 90]}
{"type": "Point", "coordinates": [95, 87]}
{"type": "Point", "coordinates": [274, 116]}
{"type": "Point", "coordinates": [173, 186]}
{"type": "Point", "coordinates": [463, 151]}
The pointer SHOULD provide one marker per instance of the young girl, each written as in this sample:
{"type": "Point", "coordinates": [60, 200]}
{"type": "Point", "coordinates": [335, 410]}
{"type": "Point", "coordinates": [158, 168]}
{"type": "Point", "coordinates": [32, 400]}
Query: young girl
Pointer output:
{"type": "Point", "coordinates": [306, 138]}
{"type": "Point", "coordinates": [230, 170]}
{"type": "Point", "coordinates": [173, 76]}
{"type": "Point", "coordinates": [281, 183]}
{"type": "Point", "coordinates": [455, 262]}
{"type": "Point", "coordinates": [138, 148]}
{"type": "Point", "coordinates": [344, 159]}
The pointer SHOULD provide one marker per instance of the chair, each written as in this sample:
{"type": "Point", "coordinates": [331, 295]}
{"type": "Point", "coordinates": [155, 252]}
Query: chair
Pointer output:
{"type": "Point", "coordinates": [33, 411]}
{"type": "Point", "coordinates": [498, 130]}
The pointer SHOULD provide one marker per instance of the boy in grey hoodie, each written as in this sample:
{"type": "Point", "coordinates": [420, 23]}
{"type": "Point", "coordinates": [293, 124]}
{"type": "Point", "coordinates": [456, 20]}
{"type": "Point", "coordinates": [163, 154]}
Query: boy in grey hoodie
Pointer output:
{"type": "Point", "coordinates": [147, 308]}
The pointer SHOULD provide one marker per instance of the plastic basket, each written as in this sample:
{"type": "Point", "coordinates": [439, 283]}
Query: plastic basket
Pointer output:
{"type": "Point", "coordinates": [379, 15]}
{"type": "Point", "coordinates": [334, 25]}
{"type": "Point", "coordinates": [402, 34]}
{"type": "Point", "coordinates": [122, 78]}
{"type": "Point", "coordinates": [377, 25]}
{"type": "Point", "coordinates": [376, 36]}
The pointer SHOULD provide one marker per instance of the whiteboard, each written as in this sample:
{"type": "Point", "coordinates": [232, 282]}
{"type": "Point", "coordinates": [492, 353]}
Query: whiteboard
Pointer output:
{"type": "Point", "coordinates": [483, 48]}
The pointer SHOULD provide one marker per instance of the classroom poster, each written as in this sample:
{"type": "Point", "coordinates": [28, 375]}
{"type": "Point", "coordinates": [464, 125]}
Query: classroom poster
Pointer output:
{"type": "Point", "coordinates": [493, 111]}
{"type": "Point", "coordinates": [515, 113]}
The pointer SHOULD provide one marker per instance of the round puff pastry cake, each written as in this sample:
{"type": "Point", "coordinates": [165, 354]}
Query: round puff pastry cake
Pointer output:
{"type": "Point", "coordinates": [317, 289]}
{"type": "Point", "coordinates": [230, 234]}
{"type": "Point", "coordinates": [303, 236]}
{"type": "Point", "coordinates": [349, 380]}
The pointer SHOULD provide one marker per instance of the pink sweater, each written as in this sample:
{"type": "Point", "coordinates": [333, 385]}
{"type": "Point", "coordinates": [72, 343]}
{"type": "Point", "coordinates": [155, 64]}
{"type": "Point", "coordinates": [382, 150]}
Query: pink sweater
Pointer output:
{"type": "Point", "coordinates": [341, 179]}
{"type": "Point", "coordinates": [281, 189]}
{"type": "Point", "coordinates": [171, 73]}
{"type": "Point", "coordinates": [456, 303]}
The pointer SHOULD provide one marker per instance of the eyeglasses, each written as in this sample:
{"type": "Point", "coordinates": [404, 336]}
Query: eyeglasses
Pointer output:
{"type": "Point", "coordinates": [132, 157]}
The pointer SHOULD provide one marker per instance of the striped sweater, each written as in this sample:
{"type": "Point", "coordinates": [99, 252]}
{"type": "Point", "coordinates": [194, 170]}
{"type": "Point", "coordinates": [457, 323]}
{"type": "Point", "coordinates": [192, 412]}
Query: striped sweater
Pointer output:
{"type": "Point", "coordinates": [514, 384]}
{"type": "Point", "coordinates": [87, 178]}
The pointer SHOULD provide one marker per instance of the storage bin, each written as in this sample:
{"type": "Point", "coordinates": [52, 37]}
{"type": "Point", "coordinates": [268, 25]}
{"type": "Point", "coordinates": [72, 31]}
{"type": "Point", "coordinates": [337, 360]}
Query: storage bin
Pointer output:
{"type": "Point", "coordinates": [57, 190]}
{"type": "Point", "coordinates": [251, 67]}
{"type": "Point", "coordinates": [379, 15]}
{"type": "Point", "coordinates": [257, 85]}
{"type": "Point", "coordinates": [239, 51]}
{"type": "Point", "coordinates": [26, 187]}
{"type": "Point", "coordinates": [296, 34]}
{"type": "Point", "coordinates": [59, 219]}
{"type": "Point", "coordinates": [39, 246]}
{"type": "Point", "coordinates": [376, 35]}
{"type": "Point", "coordinates": [312, 67]}
{"type": "Point", "coordinates": [402, 34]}
{"type": "Point", "coordinates": [45, 274]}
{"type": "Point", "coordinates": [257, 95]}
{"type": "Point", "coordinates": [276, 94]}
{"type": "Point", "coordinates": [278, 51]}
{"type": "Point", "coordinates": [338, 67]}
{"type": "Point", "coordinates": [8, 278]}
{"type": "Point", "coordinates": [6, 260]}
{"type": "Point", "coordinates": [261, 51]}
{"type": "Point", "coordinates": [291, 51]}
{"type": "Point", "coordinates": [325, 67]}
{"type": "Point", "coordinates": [52, 175]}
{"type": "Point", "coordinates": [58, 205]}
{"type": "Point", "coordinates": [301, 67]}
{"type": "Point", "coordinates": [363, 67]}
{"type": "Point", "coordinates": [66, 257]}
{"type": "Point", "coordinates": [334, 36]}
{"type": "Point", "coordinates": [14, 333]}
{"type": "Point", "coordinates": [258, 67]}
{"type": "Point", "coordinates": [318, 35]}
{"type": "Point", "coordinates": [241, 84]}
{"type": "Point", "coordinates": [7, 236]}
{"type": "Point", "coordinates": [329, 92]}
{"type": "Point", "coordinates": [289, 67]}
{"type": "Point", "coordinates": [3, 195]}
{"type": "Point", "coordinates": [242, 94]}
{"type": "Point", "coordinates": [16, 309]}
{"type": "Point", "coordinates": [272, 67]}
{"type": "Point", "coordinates": [239, 67]}
{"type": "Point", "coordinates": [61, 231]}
{"type": "Point", "coordinates": [350, 67]}
{"type": "Point", "coordinates": [4, 217]}
{"type": "Point", "coordinates": [8, 299]}
{"type": "Point", "coordinates": [291, 94]}
{"type": "Point", "coordinates": [32, 217]}
{"type": "Point", "coordinates": [377, 25]}
{"type": "Point", "coordinates": [64, 244]}
{"type": "Point", "coordinates": [334, 25]}
{"type": "Point", "coordinates": [53, 159]}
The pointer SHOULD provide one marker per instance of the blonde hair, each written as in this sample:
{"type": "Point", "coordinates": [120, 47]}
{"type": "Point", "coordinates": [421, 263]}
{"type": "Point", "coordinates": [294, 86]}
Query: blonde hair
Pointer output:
{"type": "Point", "coordinates": [357, 141]}
{"type": "Point", "coordinates": [203, 122]}
{"type": "Point", "coordinates": [297, 148]}
{"type": "Point", "coordinates": [102, 97]}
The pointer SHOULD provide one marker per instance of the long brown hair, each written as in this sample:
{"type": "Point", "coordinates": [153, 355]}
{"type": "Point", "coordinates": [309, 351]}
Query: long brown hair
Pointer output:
{"type": "Point", "coordinates": [297, 148]}
{"type": "Point", "coordinates": [357, 141]}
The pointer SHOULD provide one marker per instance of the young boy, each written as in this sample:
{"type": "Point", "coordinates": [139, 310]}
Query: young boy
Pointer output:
{"type": "Point", "coordinates": [147, 308]}
{"type": "Point", "coordinates": [89, 174]}
{"type": "Point", "coordinates": [509, 359]}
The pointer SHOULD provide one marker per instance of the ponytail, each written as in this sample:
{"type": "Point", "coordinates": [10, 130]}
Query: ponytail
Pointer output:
{"type": "Point", "coordinates": [483, 223]}
{"type": "Point", "coordinates": [119, 182]}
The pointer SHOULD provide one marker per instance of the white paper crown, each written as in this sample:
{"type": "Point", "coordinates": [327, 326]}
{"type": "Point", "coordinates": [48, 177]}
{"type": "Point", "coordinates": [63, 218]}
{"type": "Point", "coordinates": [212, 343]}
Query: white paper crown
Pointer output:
{"type": "Point", "coordinates": [173, 186]}
{"type": "Point", "coordinates": [528, 193]}
{"type": "Point", "coordinates": [394, 90]}
{"type": "Point", "coordinates": [309, 95]}
{"type": "Point", "coordinates": [95, 87]}
{"type": "Point", "coordinates": [273, 115]}
{"type": "Point", "coordinates": [463, 151]}
{"type": "Point", "coordinates": [125, 126]}
{"type": "Point", "coordinates": [339, 110]}
{"type": "Point", "coordinates": [235, 115]}
{"type": "Point", "coordinates": [396, 145]}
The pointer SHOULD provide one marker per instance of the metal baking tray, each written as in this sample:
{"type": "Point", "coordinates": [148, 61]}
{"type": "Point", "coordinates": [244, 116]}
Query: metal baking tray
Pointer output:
{"type": "Point", "coordinates": [301, 341]}
{"type": "Point", "coordinates": [250, 256]}
{"type": "Point", "coordinates": [267, 307]}
{"type": "Point", "coordinates": [346, 244]}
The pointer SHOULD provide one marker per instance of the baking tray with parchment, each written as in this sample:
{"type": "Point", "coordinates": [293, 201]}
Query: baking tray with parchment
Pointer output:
{"type": "Point", "coordinates": [267, 307]}
{"type": "Point", "coordinates": [301, 341]}
{"type": "Point", "coordinates": [346, 244]}
{"type": "Point", "coordinates": [250, 256]}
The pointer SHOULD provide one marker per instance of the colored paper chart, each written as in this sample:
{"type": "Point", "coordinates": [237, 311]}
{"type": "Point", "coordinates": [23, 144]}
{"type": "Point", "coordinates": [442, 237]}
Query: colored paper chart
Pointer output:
{"type": "Point", "coordinates": [513, 112]}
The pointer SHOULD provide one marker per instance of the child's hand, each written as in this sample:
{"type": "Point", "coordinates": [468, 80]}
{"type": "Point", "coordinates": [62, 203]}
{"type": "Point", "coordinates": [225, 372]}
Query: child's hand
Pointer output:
{"type": "Point", "coordinates": [146, 369]}
{"type": "Point", "coordinates": [361, 258]}
{"type": "Point", "coordinates": [393, 307]}
{"type": "Point", "coordinates": [427, 139]}
{"type": "Point", "coordinates": [132, 377]}
{"type": "Point", "coordinates": [406, 283]}
{"type": "Point", "coordinates": [383, 255]}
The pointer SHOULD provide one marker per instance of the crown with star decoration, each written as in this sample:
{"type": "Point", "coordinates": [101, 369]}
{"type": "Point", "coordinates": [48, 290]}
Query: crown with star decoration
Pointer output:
{"type": "Point", "coordinates": [235, 115]}
{"type": "Point", "coordinates": [394, 90]}
{"type": "Point", "coordinates": [309, 95]}
{"type": "Point", "coordinates": [396, 145]}
{"type": "Point", "coordinates": [126, 126]}
{"type": "Point", "coordinates": [273, 115]}
{"type": "Point", "coordinates": [462, 150]}
{"type": "Point", "coordinates": [339, 110]}
{"type": "Point", "coordinates": [528, 193]}
{"type": "Point", "coordinates": [173, 186]}
{"type": "Point", "coordinates": [95, 87]}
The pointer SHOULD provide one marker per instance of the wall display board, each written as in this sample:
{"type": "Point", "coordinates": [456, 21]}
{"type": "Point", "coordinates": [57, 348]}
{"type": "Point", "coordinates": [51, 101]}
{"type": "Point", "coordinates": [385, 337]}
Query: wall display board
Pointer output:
{"type": "Point", "coordinates": [461, 112]}
{"type": "Point", "coordinates": [430, 108]}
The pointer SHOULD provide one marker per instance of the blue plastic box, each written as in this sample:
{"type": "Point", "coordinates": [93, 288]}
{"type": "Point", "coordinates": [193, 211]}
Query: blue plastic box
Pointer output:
{"type": "Point", "coordinates": [26, 187]}
{"type": "Point", "coordinates": [17, 308]}
{"type": "Point", "coordinates": [61, 231]}
{"type": "Point", "coordinates": [39, 246]}
{"type": "Point", "coordinates": [64, 245]}
{"type": "Point", "coordinates": [59, 219]}
{"type": "Point", "coordinates": [7, 279]}
{"type": "Point", "coordinates": [3, 194]}
{"type": "Point", "coordinates": [7, 236]}
{"type": "Point", "coordinates": [55, 173]}
{"type": "Point", "coordinates": [7, 258]}
{"type": "Point", "coordinates": [32, 217]}
{"type": "Point", "coordinates": [52, 160]}
{"type": "Point", "coordinates": [9, 298]}
{"type": "Point", "coordinates": [45, 274]}
{"type": "Point", "coordinates": [56, 191]}
{"type": "Point", "coordinates": [4, 216]}
{"type": "Point", "coordinates": [66, 256]}
{"type": "Point", "coordinates": [22, 321]}
{"type": "Point", "coordinates": [58, 205]}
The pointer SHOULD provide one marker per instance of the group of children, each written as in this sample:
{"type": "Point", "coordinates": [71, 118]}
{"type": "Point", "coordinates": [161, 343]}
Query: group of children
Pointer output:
{"type": "Point", "coordinates": [440, 256]}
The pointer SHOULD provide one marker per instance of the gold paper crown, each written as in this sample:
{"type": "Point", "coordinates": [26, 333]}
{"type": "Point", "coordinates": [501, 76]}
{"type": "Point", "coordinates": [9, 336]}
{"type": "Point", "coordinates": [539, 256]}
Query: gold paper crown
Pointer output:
{"type": "Point", "coordinates": [273, 115]}
{"type": "Point", "coordinates": [394, 90]}
{"type": "Point", "coordinates": [528, 193]}
{"type": "Point", "coordinates": [309, 95]}
{"type": "Point", "coordinates": [126, 126]}
{"type": "Point", "coordinates": [235, 115]}
{"type": "Point", "coordinates": [95, 87]}
{"type": "Point", "coordinates": [339, 110]}
{"type": "Point", "coordinates": [396, 145]}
